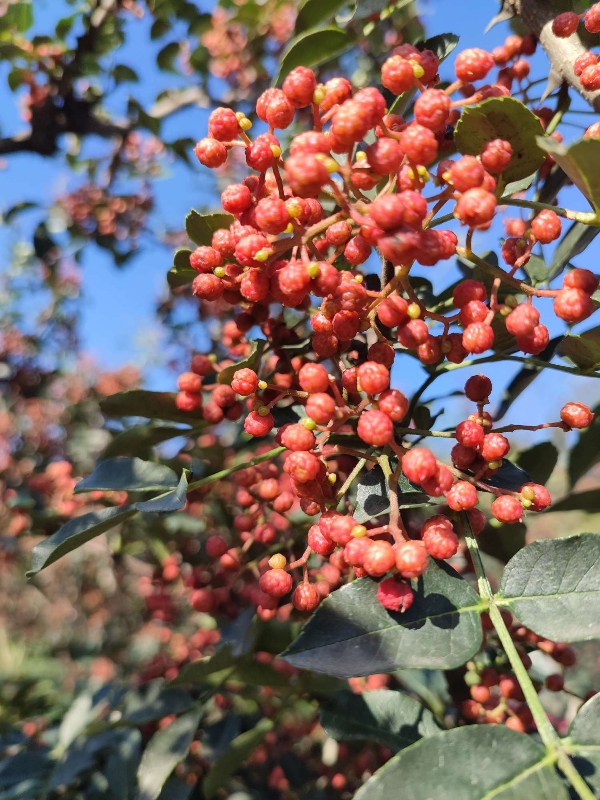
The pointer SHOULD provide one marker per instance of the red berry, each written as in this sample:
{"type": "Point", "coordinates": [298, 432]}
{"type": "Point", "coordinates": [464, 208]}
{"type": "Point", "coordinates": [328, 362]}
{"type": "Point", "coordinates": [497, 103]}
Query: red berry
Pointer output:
{"type": "Point", "coordinates": [213, 413]}
{"type": "Point", "coordinates": [463, 457]}
{"type": "Point", "coordinates": [346, 325]}
{"type": "Point", "coordinates": [274, 108]}
{"type": "Point", "coordinates": [395, 595]}
{"type": "Point", "coordinates": [397, 75]}
{"type": "Point", "coordinates": [494, 447]}
{"type": "Point", "coordinates": [432, 108]}
{"type": "Point", "coordinates": [223, 124]}
{"type": "Point", "coordinates": [275, 582]}
{"type": "Point", "coordinates": [189, 382]}
{"type": "Point", "coordinates": [440, 483]}
{"type": "Point", "coordinates": [592, 18]}
{"type": "Point", "coordinates": [474, 311]}
{"type": "Point", "coordinates": [210, 152]}
{"type": "Point", "coordinates": [393, 311]}
{"type": "Point", "coordinates": [394, 404]}
{"type": "Point", "coordinates": [583, 279]}
{"type": "Point", "coordinates": [440, 542]}
{"type": "Point", "coordinates": [259, 153]}
{"type": "Point", "coordinates": [473, 64]}
{"type": "Point", "coordinates": [302, 466]}
{"type": "Point", "coordinates": [321, 407]}
{"type": "Point", "coordinates": [207, 287]}
{"type": "Point", "coordinates": [476, 207]}
{"type": "Point", "coordinates": [590, 78]}
{"type": "Point", "coordinates": [306, 597]}
{"type": "Point", "coordinates": [478, 337]}
{"type": "Point", "coordinates": [507, 509]}
{"type": "Point", "coordinates": [478, 388]}
{"type": "Point", "coordinates": [310, 142]}
{"type": "Point", "coordinates": [477, 520]}
{"type": "Point", "coordinates": [411, 559]}
{"type": "Point", "coordinates": [373, 378]}
{"type": "Point", "coordinates": [348, 125]}
{"type": "Point", "coordinates": [467, 173]}
{"type": "Point", "coordinates": [379, 559]}
{"type": "Point", "coordinates": [384, 156]}
{"type": "Point", "coordinates": [337, 527]}
{"type": "Point", "coordinates": [576, 415]}
{"type": "Point", "coordinates": [297, 437]}
{"type": "Point", "coordinates": [355, 551]}
{"type": "Point", "coordinates": [565, 25]}
{"type": "Point", "coordinates": [338, 233]}
{"type": "Point", "coordinates": [469, 433]}
{"type": "Point", "coordinates": [245, 382]}
{"type": "Point", "coordinates": [593, 132]}
{"type": "Point", "coordinates": [573, 305]}
{"type": "Point", "coordinates": [537, 495]}
{"type": "Point", "coordinates": [522, 319]}
{"type": "Point", "coordinates": [337, 90]}
{"type": "Point", "coordinates": [496, 155]}
{"type": "Point", "coordinates": [419, 464]}
{"type": "Point", "coordinates": [357, 250]}
{"type": "Point", "coordinates": [257, 425]}
{"type": "Point", "coordinates": [546, 226]}
{"type": "Point", "coordinates": [382, 353]}
{"type": "Point", "coordinates": [419, 144]}
{"type": "Point", "coordinates": [534, 342]}
{"type": "Point", "coordinates": [215, 546]}
{"type": "Point", "coordinates": [319, 543]}
{"type": "Point", "coordinates": [236, 198]}
{"type": "Point", "coordinates": [554, 683]}
{"type": "Point", "coordinates": [205, 259]}
{"type": "Point", "coordinates": [375, 428]}
{"type": "Point", "coordinates": [306, 174]}
{"type": "Point", "coordinates": [299, 86]}
{"type": "Point", "coordinates": [468, 291]}
{"type": "Point", "coordinates": [202, 600]}
{"type": "Point", "coordinates": [272, 215]}
{"type": "Point", "coordinates": [223, 396]}
{"type": "Point", "coordinates": [462, 496]}
{"type": "Point", "coordinates": [188, 401]}
{"type": "Point", "coordinates": [313, 378]}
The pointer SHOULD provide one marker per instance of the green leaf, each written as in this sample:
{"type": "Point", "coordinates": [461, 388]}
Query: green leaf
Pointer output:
{"type": "Point", "coordinates": [76, 532]}
{"type": "Point", "coordinates": [181, 273]}
{"type": "Point", "coordinates": [442, 44]}
{"type": "Point", "coordinates": [170, 501]}
{"type": "Point", "coordinates": [502, 541]}
{"type": "Point", "coordinates": [392, 718]}
{"type": "Point", "coordinates": [352, 634]}
{"type": "Point", "coordinates": [582, 350]}
{"type": "Point", "coordinates": [142, 403]}
{"type": "Point", "coordinates": [580, 501]}
{"type": "Point", "coordinates": [584, 742]}
{"type": "Point", "coordinates": [313, 12]}
{"type": "Point", "coordinates": [20, 15]}
{"type": "Point", "coordinates": [539, 461]}
{"type": "Point", "coordinates": [139, 709]}
{"type": "Point", "coordinates": [502, 118]}
{"type": "Point", "coordinates": [15, 78]}
{"type": "Point", "coordinates": [176, 789]}
{"type": "Point", "coordinates": [253, 361]}
{"type": "Point", "coordinates": [238, 751]}
{"type": "Point", "coordinates": [517, 186]}
{"type": "Point", "coordinates": [372, 495]}
{"type": "Point", "coordinates": [140, 439]}
{"type": "Point", "coordinates": [122, 474]}
{"type": "Point", "coordinates": [586, 453]}
{"type": "Point", "coordinates": [159, 28]}
{"type": "Point", "coordinates": [537, 269]}
{"type": "Point", "coordinates": [167, 56]}
{"type": "Point", "coordinates": [553, 587]}
{"type": "Point", "coordinates": [167, 748]}
{"type": "Point", "coordinates": [122, 74]}
{"type": "Point", "coordinates": [575, 241]}
{"type": "Point", "coordinates": [64, 26]}
{"type": "Point", "coordinates": [469, 763]}
{"type": "Point", "coordinates": [509, 477]}
{"type": "Point", "coordinates": [200, 227]}
{"type": "Point", "coordinates": [312, 48]}
{"type": "Point", "coordinates": [198, 671]}
{"type": "Point", "coordinates": [579, 161]}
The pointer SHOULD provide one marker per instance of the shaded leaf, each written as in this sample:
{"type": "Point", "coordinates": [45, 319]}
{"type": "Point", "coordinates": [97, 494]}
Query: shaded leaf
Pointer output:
{"type": "Point", "coordinates": [166, 57]}
{"type": "Point", "coordinates": [442, 44]}
{"type": "Point", "coordinates": [579, 161]}
{"type": "Point", "coordinates": [502, 118]}
{"type": "Point", "coordinates": [122, 74]}
{"type": "Point", "coordinates": [122, 474]}
{"type": "Point", "coordinates": [537, 269]}
{"type": "Point", "coordinates": [313, 12]}
{"type": "Point", "coordinates": [469, 763]}
{"type": "Point", "coordinates": [142, 438]}
{"type": "Point", "coordinates": [198, 671]}
{"type": "Point", "coordinates": [181, 273]}
{"type": "Point", "coordinates": [539, 461]}
{"type": "Point", "coordinates": [176, 789]}
{"type": "Point", "coordinates": [352, 634]}
{"type": "Point", "coordinates": [385, 716]}
{"type": "Point", "coordinates": [200, 227]}
{"type": "Point", "coordinates": [580, 501]}
{"type": "Point", "coordinates": [553, 587]}
{"type": "Point", "coordinates": [502, 541]}
{"type": "Point", "coordinates": [584, 742]}
{"type": "Point", "coordinates": [314, 47]}
{"type": "Point", "coordinates": [372, 495]}
{"type": "Point", "coordinates": [76, 532]}
{"type": "Point", "coordinates": [582, 350]}
{"type": "Point", "coordinates": [142, 403]}
{"type": "Point", "coordinates": [170, 501]}
{"type": "Point", "coordinates": [239, 750]}
{"type": "Point", "coordinates": [139, 710]}
{"type": "Point", "coordinates": [167, 748]}
{"type": "Point", "coordinates": [509, 477]}
{"type": "Point", "coordinates": [251, 362]}
{"type": "Point", "coordinates": [586, 451]}
{"type": "Point", "coordinates": [122, 763]}
{"type": "Point", "coordinates": [575, 241]}
{"type": "Point", "coordinates": [514, 187]}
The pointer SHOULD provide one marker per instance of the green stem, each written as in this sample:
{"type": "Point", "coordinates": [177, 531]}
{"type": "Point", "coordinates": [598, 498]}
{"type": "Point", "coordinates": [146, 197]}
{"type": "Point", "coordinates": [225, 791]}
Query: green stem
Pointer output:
{"type": "Point", "coordinates": [528, 361]}
{"type": "Point", "coordinates": [587, 217]}
{"type": "Point", "coordinates": [545, 729]}
{"type": "Point", "coordinates": [440, 220]}
{"type": "Point", "coordinates": [216, 476]}
{"type": "Point", "coordinates": [423, 432]}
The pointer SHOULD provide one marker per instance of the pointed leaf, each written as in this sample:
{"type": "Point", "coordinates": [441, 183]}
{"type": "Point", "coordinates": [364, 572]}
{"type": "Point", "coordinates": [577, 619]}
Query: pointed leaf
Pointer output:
{"type": "Point", "coordinates": [539, 461]}
{"type": "Point", "coordinates": [197, 671]}
{"type": "Point", "coordinates": [392, 718]}
{"type": "Point", "coordinates": [502, 118]}
{"type": "Point", "coordinates": [509, 477]}
{"type": "Point", "coordinates": [253, 361]}
{"type": "Point", "coordinates": [239, 750]}
{"type": "Point", "coordinates": [372, 495]}
{"type": "Point", "coordinates": [584, 742]}
{"type": "Point", "coordinates": [314, 47]}
{"type": "Point", "coordinates": [168, 502]}
{"type": "Point", "coordinates": [575, 241]}
{"type": "Point", "coordinates": [181, 273]}
{"type": "Point", "coordinates": [580, 501]}
{"type": "Point", "coordinates": [553, 587]}
{"type": "Point", "coordinates": [200, 227]}
{"type": "Point", "coordinates": [122, 474]}
{"type": "Point", "coordinates": [167, 55]}
{"type": "Point", "coordinates": [583, 350]}
{"type": "Point", "coordinates": [502, 541]}
{"type": "Point", "coordinates": [352, 634]}
{"type": "Point", "coordinates": [167, 748]}
{"type": "Point", "coordinates": [579, 161]}
{"type": "Point", "coordinates": [469, 763]}
{"type": "Point", "coordinates": [142, 403]}
{"type": "Point", "coordinates": [442, 44]}
{"type": "Point", "coordinates": [76, 532]}
{"type": "Point", "coordinates": [313, 12]}
{"type": "Point", "coordinates": [142, 438]}
{"type": "Point", "coordinates": [586, 453]}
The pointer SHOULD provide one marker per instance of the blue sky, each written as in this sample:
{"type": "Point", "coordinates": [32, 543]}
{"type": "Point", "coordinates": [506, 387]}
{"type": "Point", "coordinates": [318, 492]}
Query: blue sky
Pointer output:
{"type": "Point", "coordinates": [118, 323]}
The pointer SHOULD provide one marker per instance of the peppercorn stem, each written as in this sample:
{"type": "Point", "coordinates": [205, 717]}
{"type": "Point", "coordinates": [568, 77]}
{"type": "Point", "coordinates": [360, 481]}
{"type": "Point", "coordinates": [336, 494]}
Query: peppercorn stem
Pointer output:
{"type": "Point", "coordinates": [545, 729]}
{"type": "Point", "coordinates": [224, 473]}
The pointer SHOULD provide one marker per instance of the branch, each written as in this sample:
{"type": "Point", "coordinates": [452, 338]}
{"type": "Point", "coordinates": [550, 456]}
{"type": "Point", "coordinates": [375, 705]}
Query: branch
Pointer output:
{"type": "Point", "coordinates": [538, 16]}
